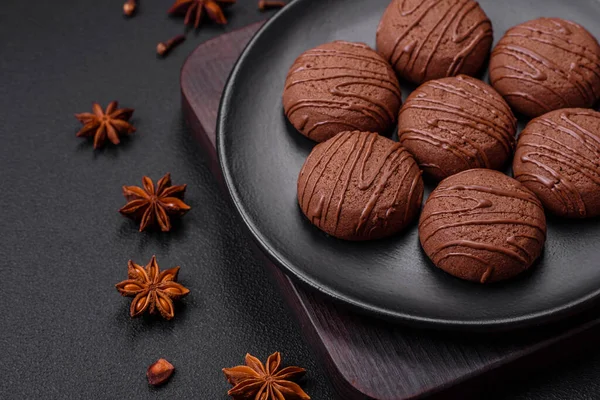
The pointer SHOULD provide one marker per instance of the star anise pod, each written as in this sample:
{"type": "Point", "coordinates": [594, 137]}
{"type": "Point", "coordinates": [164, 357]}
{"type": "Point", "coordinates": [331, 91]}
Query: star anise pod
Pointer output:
{"type": "Point", "coordinates": [152, 289]}
{"type": "Point", "coordinates": [101, 124]}
{"type": "Point", "coordinates": [254, 381]}
{"type": "Point", "coordinates": [195, 9]}
{"type": "Point", "coordinates": [152, 205]}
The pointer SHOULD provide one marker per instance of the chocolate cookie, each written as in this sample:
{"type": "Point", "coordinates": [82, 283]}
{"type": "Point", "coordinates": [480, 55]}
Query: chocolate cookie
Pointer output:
{"type": "Point", "coordinates": [546, 64]}
{"type": "Point", "coordinates": [431, 39]}
{"type": "Point", "coordinates": [482, 226]}
{"type": "Point", "coordinates": [360, 186]}
{"type": "Point", "coordinates": [558, 158]}
{"type": "Point", "coordinates": [341, 86]}
{"type": "Point", "coordinates": [454, 124]}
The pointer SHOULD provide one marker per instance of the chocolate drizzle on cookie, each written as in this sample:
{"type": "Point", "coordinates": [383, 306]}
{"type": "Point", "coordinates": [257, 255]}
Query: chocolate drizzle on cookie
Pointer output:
{"type": "Point", "coordinates": [483, 226]}
{"type": "Point", "coordinates": [431, 39]}
{"type": "Point", "coordinates": [466, 120]}
{"type": "Point", "coordinates": [359, 185]}
{"type": "Point", "coordinates": [558, 157]}
{"type": "Point", "coordinates": [546, 64]}
{"type": "Point", "coordinates": [340, 86]}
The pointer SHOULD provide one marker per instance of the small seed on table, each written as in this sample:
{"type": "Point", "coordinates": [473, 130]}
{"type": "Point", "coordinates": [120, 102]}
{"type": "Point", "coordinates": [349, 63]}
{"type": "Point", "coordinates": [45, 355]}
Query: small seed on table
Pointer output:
{"type": "Point", "coordinates": [265, 5]}
{"type": "Point", "coordinates": [159, 372]}
{"type": "Point", "coordinates": [165, 47]}
{"type": "Point", "coordinates": [129, 7]}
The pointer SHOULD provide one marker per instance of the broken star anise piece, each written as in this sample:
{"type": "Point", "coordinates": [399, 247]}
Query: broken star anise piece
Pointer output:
{"type": "Point", "coordinates": [256, 381]}
{"type": "Point", "coordinates": [152, 290]}
{"type": "Point", "coordinates": [195, 9]}
{"type": "Point", "coordinates": [102, 124]}
{"type": "Point", "coordinates": [154, 205]}
{"type": "Point", "coordinates": [159, 372]}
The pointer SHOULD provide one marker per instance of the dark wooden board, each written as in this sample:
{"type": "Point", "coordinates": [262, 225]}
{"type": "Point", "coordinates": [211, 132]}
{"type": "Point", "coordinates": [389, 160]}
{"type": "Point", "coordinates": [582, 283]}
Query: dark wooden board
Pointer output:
{"type": "Point", "coordinates": [368, 358]}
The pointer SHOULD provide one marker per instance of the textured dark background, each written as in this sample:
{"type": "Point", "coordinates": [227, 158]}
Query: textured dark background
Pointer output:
{"type": "Point", "coordinates": [65, 332]}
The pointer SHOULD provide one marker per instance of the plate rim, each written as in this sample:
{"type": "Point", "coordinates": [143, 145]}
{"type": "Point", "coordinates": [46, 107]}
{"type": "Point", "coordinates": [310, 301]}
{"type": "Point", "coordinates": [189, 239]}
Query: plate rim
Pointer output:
{"type": "Point", "coordinates": [485, 325]}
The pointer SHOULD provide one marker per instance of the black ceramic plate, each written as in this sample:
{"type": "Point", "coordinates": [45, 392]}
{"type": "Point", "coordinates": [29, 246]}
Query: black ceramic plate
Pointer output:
{"type": "Point", "coordinates": [261, 156]}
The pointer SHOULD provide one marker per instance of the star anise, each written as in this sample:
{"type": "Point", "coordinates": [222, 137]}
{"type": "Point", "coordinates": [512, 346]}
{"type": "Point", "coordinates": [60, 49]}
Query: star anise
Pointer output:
{"type": "Point", "coordinates": [254, 381]}
{"type": "Point", "coordinates": [101, 124]}
{"type": "Point", "coordinates": [195, 9]}
{"type": "Point", "coordinates": [152, 289]}
{"type": "Point", "coordinates": [152, 205]}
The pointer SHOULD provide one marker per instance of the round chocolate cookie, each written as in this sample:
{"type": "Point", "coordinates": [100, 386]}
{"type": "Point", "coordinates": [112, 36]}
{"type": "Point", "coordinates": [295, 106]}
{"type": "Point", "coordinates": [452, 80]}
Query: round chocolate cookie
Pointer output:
{"type": "Point", "coordinates": [558, 158]}
{"type": "Point", "coordinates": [454, 124]}
{"type": "Point", "coordinates": [482, 226]}
{"type": "Point", "coordinates": [341, 86]}
{"type": "Point", "coordinates": [360, 186]}
{"type": "Point", "coordinates": [431, 39]}
{"type": "Point", "coordinates": [546, 64]}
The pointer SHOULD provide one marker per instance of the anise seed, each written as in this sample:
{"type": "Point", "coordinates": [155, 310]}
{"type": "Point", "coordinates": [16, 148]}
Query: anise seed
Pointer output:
{"type": "Point", "coordinates": [152, 289]}
{"type": "Point", "coordinates": [256, 380]}
{"type": "Point", "coordinates": [105, 124]}
{"type": "Point", "coordinates": [155, 205]}
{"type": "Point", "coordinates": [264, 5]}
{"type": "Point", "coordinates": [129, 7]}
{"type": "Point", "coordinates": [159, 372]}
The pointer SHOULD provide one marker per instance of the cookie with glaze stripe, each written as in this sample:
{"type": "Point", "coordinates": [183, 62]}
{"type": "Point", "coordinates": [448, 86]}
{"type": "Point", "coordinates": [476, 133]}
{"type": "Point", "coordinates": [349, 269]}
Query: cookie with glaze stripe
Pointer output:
{"type": "Point", "coordinates": [360, 186]}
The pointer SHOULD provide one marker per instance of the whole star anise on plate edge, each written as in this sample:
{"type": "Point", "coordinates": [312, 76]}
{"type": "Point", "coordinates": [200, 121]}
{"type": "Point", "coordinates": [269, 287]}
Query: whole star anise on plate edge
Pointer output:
{"type": "Point", "coordinates": [195, 9]}
{"type": "Point", "coordinates": [256, 381]}
{"type": "Point", "coordinates": [154, 205]}
{"type": "Point", "coordinates": [152, 289]}
{"type": "Point", "coordinates": [102, 124]}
